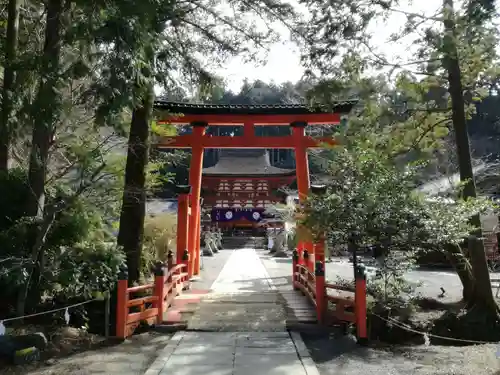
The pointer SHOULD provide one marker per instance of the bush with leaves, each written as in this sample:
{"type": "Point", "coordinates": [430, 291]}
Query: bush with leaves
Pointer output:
{"type": "Point", "coordinates": [77, 259]}
{"type": "Point", "coordinates": [367, 196]}
{"type": "Point", "coordinates": [375, 200]}
{"type": "Point", "coordinates": [86, 269]}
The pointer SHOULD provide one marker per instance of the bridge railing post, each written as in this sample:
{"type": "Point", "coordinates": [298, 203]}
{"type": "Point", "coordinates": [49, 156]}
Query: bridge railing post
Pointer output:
{"type": "Point", "coordinates": [159, 290]}
{"type": "Point", "coordinates": [295, 263]}
{"type": "Point", "coordinates": [170, 264]}
{"type": "Point", "coordinates": [185, 260]}
{"type": "Point", "coordinates": [121, 303]}
{"type": "Point", "coordinates": [321, 302]}
{"type": "Point", "coordinates": [360, 305]}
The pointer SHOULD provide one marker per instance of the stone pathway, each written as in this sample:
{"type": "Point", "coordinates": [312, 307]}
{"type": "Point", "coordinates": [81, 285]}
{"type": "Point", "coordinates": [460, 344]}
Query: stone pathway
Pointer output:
{"type": "Point", "coordinates": [246, 319]}
{"type": "Point", "coordinates": [241, 299]}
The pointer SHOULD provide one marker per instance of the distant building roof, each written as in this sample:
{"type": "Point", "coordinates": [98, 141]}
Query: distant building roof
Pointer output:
{"type": "Point", "coordinates": [249, 163]}
{"type": "Point", "coordinates": [159, 206]}
{"type": "Point", "coordinates": [243, 109]}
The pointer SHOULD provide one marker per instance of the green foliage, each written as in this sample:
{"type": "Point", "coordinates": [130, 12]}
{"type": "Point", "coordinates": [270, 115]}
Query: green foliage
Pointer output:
{"type": "Point", "coordinates": [389, 282]}
{"type": "Point", "coordinates": [74, 224]}
{"type": "Point", "coordinates": [370, 197]}
{"type": "Point", "coordinates": [13, 193]}
{"type": "Point", "coordinates": [77, 261]}
{"type": "Point", "coordinates": [401, 112]}
{"type": "Point", "coordinates": [85, 269]}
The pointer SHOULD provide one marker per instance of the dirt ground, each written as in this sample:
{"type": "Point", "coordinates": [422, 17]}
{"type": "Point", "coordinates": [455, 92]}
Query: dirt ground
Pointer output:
{"type": "Point", "coordinates": [131, 357]}
{"type": "Point", "coordinates": [89, 355]}
{"type": "Point", "coordinates": [343, 356]}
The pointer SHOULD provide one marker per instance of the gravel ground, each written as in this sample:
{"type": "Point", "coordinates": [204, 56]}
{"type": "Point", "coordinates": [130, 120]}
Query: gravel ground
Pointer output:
{"type": "Point", "coordinates": [341, 356]}
{"type": "Point", "coordinates": [430, 280]}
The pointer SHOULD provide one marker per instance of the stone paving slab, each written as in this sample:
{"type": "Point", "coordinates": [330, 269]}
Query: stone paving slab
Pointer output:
{"type": "Point", "coordinates": [180, 360]}
{"type": "Point", "coordinates": [223, 326]}
{"type": "Point", "coordinates": [208, 349]}
{"type": "Point", "coordinates": [234, 353]}
{"type": "Point", "coordinates": [262, 342]}
{"type": "Point", "coordinates": [207, 369]}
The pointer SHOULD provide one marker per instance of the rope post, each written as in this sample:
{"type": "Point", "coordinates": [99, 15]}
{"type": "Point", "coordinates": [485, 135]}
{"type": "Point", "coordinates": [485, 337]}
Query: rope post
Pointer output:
{"type": "Point", "coordinates": [360, 305]}
{"type": "Point", "coordinates": [305, 254]}
{"type": "Point", "coordinates": [159, 290]}
{"type": "Point", "coordinates": [319, 273]}
{"type": "Point", "coordinates": [295, 262]}
{"type": "Point", "coordinates": [121, 303]}
{"type": "Point", "coordinates": [185, 261]}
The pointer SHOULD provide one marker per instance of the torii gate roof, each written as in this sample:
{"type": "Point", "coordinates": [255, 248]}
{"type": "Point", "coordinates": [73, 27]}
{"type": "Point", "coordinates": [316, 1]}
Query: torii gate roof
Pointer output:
{"type": "Point", "coordinates": [278, 114]}
{"type": "Point", "coordinates": [344, 106]}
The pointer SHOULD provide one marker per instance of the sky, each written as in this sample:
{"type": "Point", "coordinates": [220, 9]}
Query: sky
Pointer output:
{"type": "Point", "coordinates": [283, 59]}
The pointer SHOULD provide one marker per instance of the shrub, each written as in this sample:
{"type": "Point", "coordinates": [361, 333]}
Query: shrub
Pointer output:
{"type": "Point", "coordinates": [87, 268]}
{"type": "Point", "coordinates": [75, 261]}
{"type": "Point", "coordinates": [13, 194]}
{"type": "Point", "coordinates": [160, 233]}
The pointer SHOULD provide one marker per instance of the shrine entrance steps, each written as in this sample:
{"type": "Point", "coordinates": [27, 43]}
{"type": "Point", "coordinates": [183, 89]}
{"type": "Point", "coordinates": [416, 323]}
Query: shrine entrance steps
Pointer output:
{"type": "Point", "coordinates": [240, 242]}
{"type": "Point", "coordinates": [238, 328]}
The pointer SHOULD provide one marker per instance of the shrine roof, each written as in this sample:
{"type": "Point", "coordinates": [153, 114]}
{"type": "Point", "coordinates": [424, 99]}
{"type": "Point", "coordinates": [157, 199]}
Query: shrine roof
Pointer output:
{"type": "Point", "coordinates": [245, 163]}
{"type": "Point", "coordinates": [341, 107]}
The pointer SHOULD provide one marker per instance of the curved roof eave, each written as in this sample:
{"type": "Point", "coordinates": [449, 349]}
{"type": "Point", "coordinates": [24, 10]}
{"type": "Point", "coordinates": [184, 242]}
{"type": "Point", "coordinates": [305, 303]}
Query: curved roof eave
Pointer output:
{"type": "Point", "coordinates": [342, 107]}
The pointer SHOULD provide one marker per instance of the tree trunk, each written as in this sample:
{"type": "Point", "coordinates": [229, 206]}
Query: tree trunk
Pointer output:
{"type": "Point", "coordinates": [34, 268]}
{"type": "Point", "coordinates": [46, 110]}
{"type": "Point", "coordinates": [479, 264]}
{"type": "Point", "coordinates": [133, 211]}
{"type": "Point", "coordinates": [44, 116]}
{"type": "Point", "coordinates": [9, 75]}
{"type": "Point", "coordinates": [461, 265]}
{"type": "Point", "coordinates": [483, 294]}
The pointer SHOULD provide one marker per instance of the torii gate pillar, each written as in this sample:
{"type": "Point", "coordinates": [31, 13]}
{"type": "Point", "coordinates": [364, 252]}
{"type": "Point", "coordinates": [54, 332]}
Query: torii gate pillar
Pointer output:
{"type": "Point", "coordinates": [182, 221]}
{"type": "Point", "coordinates": [195, 182]}
{"type": "Point", "coordinates": [303, 182]}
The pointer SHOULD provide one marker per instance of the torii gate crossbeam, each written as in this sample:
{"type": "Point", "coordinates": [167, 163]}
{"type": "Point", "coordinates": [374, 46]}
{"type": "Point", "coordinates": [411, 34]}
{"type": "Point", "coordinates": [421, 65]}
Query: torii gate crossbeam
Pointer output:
{"type": "Point", "coordinates": [200, 116]}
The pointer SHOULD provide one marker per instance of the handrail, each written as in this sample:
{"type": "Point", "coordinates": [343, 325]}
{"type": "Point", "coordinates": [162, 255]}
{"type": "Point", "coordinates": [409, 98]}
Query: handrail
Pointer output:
{"type": "Point", "coordinates": [340, 287]}
{"type": "Point", "coordinates": [151, 308]}
{"type": "Point", "coordinates": [307, 271]}
{"type": "Point", "coordinates": [306, 282]}
{"type": "Point", "coordinates": [140, 288]}
{"type": "Point", "coordinates": [343, 308]}
{"type": "Point", "coordinates": [141, 301]}
{"type": "Point", "coordinates": [172, 271]}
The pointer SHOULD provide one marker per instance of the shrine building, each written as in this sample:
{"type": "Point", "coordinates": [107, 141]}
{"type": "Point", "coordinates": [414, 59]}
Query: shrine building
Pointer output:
{"type": "Point", "coordinates": [241, 185]}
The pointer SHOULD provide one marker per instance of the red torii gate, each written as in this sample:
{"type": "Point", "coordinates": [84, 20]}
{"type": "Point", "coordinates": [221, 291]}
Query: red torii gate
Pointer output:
{"type": "Point", "coordinates": [308, 274]}
{"type": "Point", "coordinates": [200, 116]}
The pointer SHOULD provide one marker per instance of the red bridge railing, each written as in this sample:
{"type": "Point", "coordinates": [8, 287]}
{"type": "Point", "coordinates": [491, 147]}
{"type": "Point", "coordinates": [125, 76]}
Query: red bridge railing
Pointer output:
{"type": "Point", "coordinates": [334, 303]}
{"type": "Point", "coordinates": [168, 283]}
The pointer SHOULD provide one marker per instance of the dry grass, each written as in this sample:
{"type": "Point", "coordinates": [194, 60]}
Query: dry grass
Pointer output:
{"type": "Point", "coordinates": [160, 233]}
